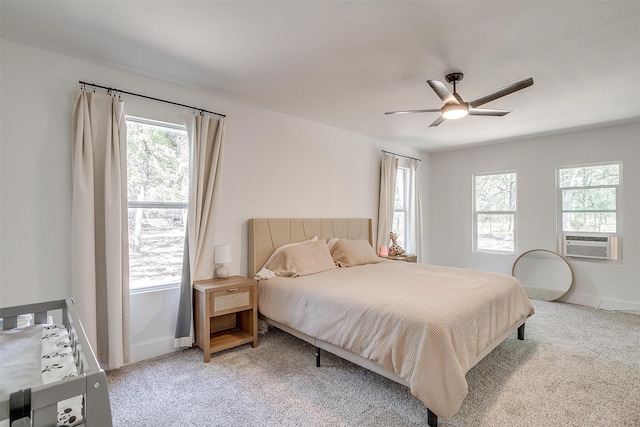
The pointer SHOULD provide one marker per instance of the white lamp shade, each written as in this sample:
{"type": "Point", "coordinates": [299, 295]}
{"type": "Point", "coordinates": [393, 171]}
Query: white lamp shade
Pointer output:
{"type": "Point", "coordinates": [222, 254]}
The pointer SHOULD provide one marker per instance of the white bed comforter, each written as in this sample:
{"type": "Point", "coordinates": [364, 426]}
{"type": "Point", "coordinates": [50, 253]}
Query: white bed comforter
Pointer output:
{"type": "Point", "coordinates": [427, 324]}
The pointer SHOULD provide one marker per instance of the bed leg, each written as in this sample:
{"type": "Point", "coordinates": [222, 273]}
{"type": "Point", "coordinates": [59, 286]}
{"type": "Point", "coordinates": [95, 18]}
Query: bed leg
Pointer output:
{"type": "Point", "coordinates": [521, 332]}
{"type": "Point", "coordinates": [317, 357]}
{"type": "Point", "coordinates": [432, 419]}
{"type": "Point", "coordinates": [97, 405]}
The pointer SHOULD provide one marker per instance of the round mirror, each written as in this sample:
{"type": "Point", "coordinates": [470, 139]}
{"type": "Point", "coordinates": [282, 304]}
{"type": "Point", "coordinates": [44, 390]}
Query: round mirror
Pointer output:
{"type": "Point", "coordinates": [544, 274]}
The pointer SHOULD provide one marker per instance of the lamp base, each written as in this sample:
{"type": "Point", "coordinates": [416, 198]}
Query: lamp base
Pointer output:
{"type": "Point", "coordinates": [222, 272]}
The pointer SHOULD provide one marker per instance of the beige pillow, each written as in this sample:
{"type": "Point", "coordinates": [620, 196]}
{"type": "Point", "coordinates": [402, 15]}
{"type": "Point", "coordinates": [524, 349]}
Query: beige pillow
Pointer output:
{"type": "Point", "coordinates": [265, 273]}
{"type": "Point", "coordinates": [302, 260]}
{"type": "Point", "coordinates": [348, 253]}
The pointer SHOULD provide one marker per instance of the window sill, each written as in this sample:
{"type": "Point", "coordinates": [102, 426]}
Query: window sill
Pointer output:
{"type": "Point", "coordinates": [488, 252]}
{"type": "Point", "coordinates": [157, 288]}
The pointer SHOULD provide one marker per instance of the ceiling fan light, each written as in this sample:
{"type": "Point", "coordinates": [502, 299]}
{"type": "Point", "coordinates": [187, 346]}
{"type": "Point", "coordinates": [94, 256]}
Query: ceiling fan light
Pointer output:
{"type": "Point", "coordinates": [455, 111]}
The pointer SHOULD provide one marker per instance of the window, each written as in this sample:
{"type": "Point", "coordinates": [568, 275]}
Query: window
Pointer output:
{"type": "Point", "coordinates": [589, 198]}
{"type": "Point", "coordinates": [400, 206]}
{"type": "Point", "coordinates": [494, 212]}
{"type": "Point", "coordinates": [157, 186]}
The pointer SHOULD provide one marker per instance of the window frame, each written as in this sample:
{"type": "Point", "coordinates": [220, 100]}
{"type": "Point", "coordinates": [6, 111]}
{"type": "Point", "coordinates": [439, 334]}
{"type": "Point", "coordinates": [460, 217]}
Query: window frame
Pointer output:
{"type": "Point", "coordinates": [134, 204]}
{"type": "Point", "coordinates": [476, 212]}
{"type": "Point", "coordinates": [560, 191]}
{"type": "Point", "coordinates": [405, 199]}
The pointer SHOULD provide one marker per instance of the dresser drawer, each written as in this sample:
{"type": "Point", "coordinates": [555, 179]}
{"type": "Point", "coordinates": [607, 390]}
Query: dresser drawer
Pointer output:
{"type": "Point", "coordinates": [230, 300]}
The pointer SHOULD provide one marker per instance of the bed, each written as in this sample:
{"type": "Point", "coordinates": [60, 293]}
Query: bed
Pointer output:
{"type": "Point", "coordinates": [421, 326]}
{"type": "Point", "coordinates": [49, 373]}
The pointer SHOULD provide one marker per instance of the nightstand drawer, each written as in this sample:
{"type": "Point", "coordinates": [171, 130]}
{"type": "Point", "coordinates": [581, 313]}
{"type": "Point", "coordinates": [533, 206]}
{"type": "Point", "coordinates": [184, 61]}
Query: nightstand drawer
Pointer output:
{"type": "Point", "coordinates": [230, 301]}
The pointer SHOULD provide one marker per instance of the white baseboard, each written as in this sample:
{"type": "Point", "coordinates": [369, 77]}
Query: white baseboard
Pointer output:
{"type": "Point", "coordinates": [152, 349]}
{"type": "Point", "coordinates": [583, 299]}
{"type": "Point", "coordinates": [603, 303]}
{"type": "Point", "coordinates": [617, 305]}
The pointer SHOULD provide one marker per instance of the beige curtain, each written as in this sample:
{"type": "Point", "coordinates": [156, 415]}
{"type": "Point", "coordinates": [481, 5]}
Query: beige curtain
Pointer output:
{"type": "Point", "coordinates": [100, 255]}
{"type": "Point", "coordinates": [414, 214]}
{"type": "Point", "coordinates": [388, 172]}
{"type": "Point", "coordinates": [206, 134]}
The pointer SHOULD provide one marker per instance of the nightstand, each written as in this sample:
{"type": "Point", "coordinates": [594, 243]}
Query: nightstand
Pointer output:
{"type": "Point", "coordinates": [226, 313]}
{"type": "Point", "coordinates": [406, 258]}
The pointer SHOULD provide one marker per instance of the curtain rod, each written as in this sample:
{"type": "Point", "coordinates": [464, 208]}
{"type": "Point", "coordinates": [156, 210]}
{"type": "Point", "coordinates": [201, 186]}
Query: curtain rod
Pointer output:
{"type": "Point", "coordinates": [202, 110]}
{"type": "Point", "coordinates": [400, 155]}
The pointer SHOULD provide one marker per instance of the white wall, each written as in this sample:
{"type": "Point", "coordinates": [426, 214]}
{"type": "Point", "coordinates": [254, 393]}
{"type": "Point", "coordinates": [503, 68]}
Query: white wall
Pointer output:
{"type": "Point", "coordinates": [274, 165]}
{"type": "Point", "coordinates": [605, 284]}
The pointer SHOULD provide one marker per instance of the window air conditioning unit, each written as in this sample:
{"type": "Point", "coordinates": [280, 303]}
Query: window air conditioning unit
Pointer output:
{"type": "Point", "coordinates": [590, 245]}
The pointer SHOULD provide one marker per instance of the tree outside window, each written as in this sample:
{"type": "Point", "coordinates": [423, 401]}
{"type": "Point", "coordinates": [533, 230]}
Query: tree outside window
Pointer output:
{"type": "Point", "coordinates": [495, 212]}
{"type": "Point", "coordinates": [589, 198]}
{"type": "Point", "coordinates": [157, 185]}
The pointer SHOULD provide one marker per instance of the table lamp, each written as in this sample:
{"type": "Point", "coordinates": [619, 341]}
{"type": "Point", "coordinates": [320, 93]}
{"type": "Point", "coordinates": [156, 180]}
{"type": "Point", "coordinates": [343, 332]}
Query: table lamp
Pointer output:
{"type": "Point", "coordinates": [222, 255]}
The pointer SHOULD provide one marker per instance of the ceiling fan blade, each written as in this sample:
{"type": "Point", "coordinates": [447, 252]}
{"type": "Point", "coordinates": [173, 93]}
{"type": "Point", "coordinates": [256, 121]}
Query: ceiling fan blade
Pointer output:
{"type": "Point", "coordinates": [501, 92]}
{"type": "Point", "coordinates": [441, 90]}
{"type": "Point", "coordinates": [437, 121]}
{"type": "Point", "coordinates": [433, 110]}
{"type": "Point", "coordinates": [487, 112]}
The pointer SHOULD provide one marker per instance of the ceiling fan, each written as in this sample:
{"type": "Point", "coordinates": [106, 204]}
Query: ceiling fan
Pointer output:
{"type": "Point", "coordinates": [455, 108]}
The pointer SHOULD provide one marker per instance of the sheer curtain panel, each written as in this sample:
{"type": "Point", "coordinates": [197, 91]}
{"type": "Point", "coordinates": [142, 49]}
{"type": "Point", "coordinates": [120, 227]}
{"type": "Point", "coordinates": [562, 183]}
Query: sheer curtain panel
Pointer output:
{"type": "Point", "coordinates": [414, 212]}
{"type": "Point", "coordinates": [206, 135]}
{"type": "Point", "coordinates": [100, 254]}
{"type": "Point", "coordinates": [388, 172]}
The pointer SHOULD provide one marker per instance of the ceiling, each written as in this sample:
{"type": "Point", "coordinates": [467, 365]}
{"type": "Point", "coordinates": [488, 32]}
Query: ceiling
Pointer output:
{"type": "Point", "coordinates": [344, 63]}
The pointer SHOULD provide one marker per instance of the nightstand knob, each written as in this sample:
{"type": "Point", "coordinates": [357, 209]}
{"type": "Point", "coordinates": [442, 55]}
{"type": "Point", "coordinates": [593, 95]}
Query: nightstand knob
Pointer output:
{"type": "Point", "coordinates": [232, 290]}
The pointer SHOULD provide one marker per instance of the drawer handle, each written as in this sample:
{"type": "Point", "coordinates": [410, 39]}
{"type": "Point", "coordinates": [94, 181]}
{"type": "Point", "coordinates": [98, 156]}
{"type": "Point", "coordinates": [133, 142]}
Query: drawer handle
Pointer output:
{"type": "Point", "coordinates": [232, 290]}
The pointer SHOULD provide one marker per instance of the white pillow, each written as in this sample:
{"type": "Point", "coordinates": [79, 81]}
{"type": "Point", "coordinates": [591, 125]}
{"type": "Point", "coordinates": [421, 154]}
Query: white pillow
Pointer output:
{"type": "Point", "coordinates": [265, 273]}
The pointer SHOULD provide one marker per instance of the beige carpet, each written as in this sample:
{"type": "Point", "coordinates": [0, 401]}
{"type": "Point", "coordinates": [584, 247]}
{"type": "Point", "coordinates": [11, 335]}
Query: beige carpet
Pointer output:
{"type": "Point", "coordinates": [577, 367]}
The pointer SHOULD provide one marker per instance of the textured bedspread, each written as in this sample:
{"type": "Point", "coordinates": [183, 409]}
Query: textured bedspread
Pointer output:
{"type": "Point", "coordinates": [427, 324]}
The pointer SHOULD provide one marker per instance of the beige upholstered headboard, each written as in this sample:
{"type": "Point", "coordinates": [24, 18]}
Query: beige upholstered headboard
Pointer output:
{"type": "Point", "coordinates": [267, 234]}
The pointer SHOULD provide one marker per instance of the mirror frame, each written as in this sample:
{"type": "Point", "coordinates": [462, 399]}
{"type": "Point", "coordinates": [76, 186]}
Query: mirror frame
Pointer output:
{"type": "Point", "coordinates": [513, 270]}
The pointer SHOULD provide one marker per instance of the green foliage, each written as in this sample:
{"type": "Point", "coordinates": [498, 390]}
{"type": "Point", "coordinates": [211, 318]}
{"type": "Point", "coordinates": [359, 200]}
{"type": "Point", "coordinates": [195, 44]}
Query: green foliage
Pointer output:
{"type": "Point", "coordinates": [589, 197]}
{"type": "Point", "coordinates": [158, 171]}
{"type": "Point", "coordinates": [157, 163]}
{"type": "Point", "coordinates": [495, 192]}
{"type": "Point", "coordinates": [590, 176]}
